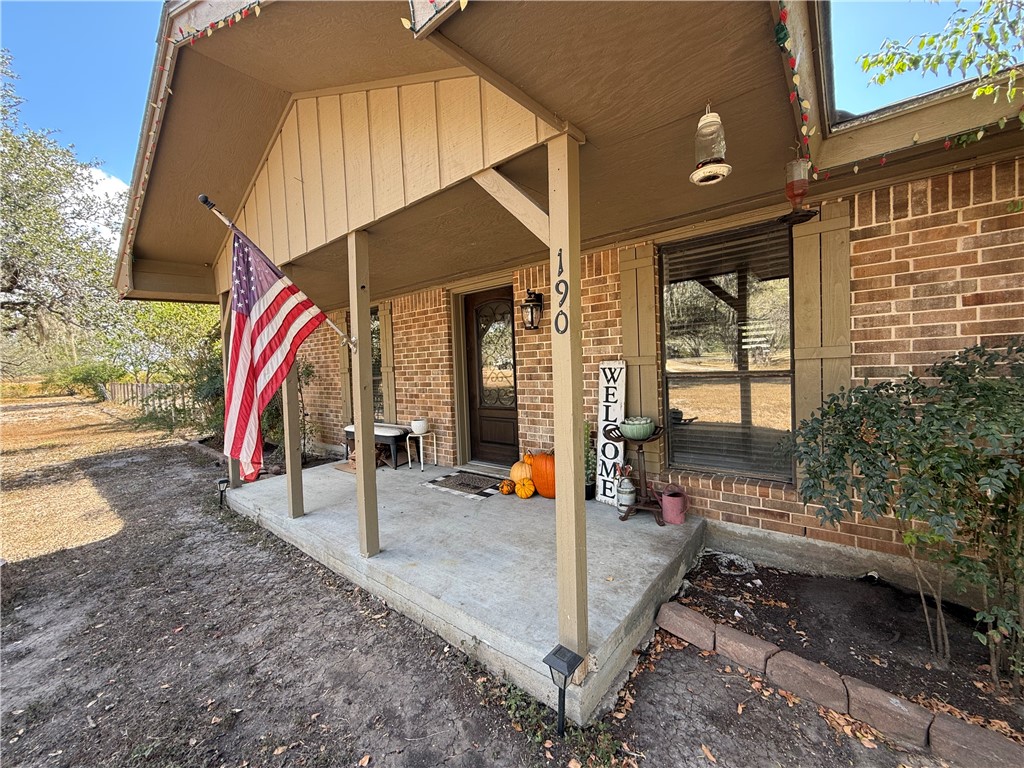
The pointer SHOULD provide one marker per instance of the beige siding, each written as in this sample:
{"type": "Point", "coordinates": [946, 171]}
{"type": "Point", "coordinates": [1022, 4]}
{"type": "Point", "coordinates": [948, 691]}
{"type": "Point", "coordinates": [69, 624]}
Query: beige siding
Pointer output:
{"type": "Point", "coordinates": [342, 161]}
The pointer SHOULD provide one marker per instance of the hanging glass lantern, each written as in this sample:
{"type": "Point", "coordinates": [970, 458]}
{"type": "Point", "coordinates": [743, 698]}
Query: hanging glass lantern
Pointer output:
{"type": "Point", "coordinates": [709, 149]}
{"type": "Point", "coordinates": [797, 185]}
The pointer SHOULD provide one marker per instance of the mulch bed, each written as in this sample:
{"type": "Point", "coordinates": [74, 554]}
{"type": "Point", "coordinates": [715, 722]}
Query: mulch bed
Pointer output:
{"type": "Point", "coordinates": [864, 628]}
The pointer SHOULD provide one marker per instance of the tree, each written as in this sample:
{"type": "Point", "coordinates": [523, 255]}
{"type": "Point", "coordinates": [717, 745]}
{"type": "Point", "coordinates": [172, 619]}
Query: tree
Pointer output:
{"type": "Point", "coordinates": [54, 231]}
{"type": "Point", "coordinates": [987, 42]}
{"type": "Point", "coordinates": [162, 338]}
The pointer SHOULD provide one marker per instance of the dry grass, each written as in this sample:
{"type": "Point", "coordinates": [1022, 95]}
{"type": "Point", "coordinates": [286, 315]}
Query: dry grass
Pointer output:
{"type": "Point", "coordinates": [48, 501]}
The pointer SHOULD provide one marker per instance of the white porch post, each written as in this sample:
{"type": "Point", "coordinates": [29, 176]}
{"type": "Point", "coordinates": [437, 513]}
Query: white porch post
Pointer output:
{"type": "Point", "coordinates": [362, 392]}
{"type": "Point", "coordinates": [567, 373]}
{"type": "Point", "coordinates": [234, 471]}
{"type": "Point", "coordinates": [292, 440]}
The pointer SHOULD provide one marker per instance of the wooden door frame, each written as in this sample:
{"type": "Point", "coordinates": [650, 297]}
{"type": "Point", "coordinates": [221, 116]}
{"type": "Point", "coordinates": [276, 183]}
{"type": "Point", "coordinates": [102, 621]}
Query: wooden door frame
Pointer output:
{"type": "Point", "coordinates": [463, 449]}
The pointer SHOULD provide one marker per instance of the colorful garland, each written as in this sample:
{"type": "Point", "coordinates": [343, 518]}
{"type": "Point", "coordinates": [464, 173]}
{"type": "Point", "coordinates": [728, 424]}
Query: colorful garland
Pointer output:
{"type": "Point", "coordinates": [192, 34]}
{"type": "Point", "coordinates": [784, 41]}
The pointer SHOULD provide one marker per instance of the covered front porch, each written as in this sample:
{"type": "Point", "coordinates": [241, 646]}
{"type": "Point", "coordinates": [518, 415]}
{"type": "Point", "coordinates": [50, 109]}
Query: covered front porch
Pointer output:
{"type": "Point", "coordinates": [481, 571]}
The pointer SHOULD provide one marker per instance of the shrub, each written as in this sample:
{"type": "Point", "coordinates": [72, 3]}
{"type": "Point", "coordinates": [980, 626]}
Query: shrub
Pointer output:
{"type": "Point", "coordinates": [942, 455]}
{"type": "Point", "coordinates": [83, 379]}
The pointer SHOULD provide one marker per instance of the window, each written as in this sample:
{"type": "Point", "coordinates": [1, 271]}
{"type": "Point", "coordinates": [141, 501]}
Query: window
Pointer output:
{"type": "Point", "coordinates": [726, 314]}
{"type": "Point", "coordinates": [376, 367]}
{"type": "Point", "coordinates": [852, 29]}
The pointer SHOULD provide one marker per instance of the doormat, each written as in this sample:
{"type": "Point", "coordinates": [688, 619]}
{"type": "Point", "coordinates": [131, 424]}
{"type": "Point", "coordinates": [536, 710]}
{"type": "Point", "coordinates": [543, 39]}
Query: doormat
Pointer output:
{"type": "Point", "coordinates": [467, 484]}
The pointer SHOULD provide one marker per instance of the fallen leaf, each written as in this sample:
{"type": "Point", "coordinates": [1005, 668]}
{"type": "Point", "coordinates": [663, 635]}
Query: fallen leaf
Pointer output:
{"type": "Point", "coordinates": [549, 744]}
{"type": "Point", "coordinates": [619, 714]}
{"type": "Point", "coordinates": [214, 720]}
{"type": "Point", "coordinates": [548, 755]}
{"type": "Point", "coordinates": [740, 707]}
{"type": "Point", "coordinates": [284, 748]}
{"type": "Point", "coordinates": [364, 761]}
{"type": "Point", "coordinates": [574, 763]}
{"type": "Point", "coordinates": [707, 753]}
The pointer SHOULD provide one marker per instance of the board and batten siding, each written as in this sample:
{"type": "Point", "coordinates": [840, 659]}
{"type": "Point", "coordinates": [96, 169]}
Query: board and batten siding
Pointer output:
{"type": "Point", "coordinates": [821, 308]}
{"type": "Point", "coordinates": [343, 161]}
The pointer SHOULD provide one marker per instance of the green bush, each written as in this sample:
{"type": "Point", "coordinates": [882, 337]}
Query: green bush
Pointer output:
{"type": "Point", "coordinates": [83, 379]}
{"type": "Point", "coordinates": [941, 454]}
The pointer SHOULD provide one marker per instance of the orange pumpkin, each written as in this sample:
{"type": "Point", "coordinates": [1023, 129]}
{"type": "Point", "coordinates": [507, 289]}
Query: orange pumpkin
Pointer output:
{"type": "Point", "coordinates": [525, 488]}
{"type": "Point", "coordinates": [528, 457]}
{"type": "Point", "coordinates": [507, 486]}
{"type": "Point", "coordinates": [520, 471]}
{"type": "Point", "coordinates": [544, 474]}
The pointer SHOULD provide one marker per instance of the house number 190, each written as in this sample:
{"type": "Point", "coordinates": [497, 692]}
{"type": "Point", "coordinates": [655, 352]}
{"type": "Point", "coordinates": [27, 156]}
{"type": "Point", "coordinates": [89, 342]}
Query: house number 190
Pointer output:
{"type": "Point", "coordinates": [562, 289]}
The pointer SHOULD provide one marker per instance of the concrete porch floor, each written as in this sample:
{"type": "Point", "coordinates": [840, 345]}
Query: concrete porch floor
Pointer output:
{"type": "Point", "coordinates": [480, 572]}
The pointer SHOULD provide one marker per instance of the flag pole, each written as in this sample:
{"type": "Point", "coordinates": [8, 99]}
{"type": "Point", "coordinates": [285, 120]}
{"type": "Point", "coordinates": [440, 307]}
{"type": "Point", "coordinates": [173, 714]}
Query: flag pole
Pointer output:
{"type": "Point", "coordinates": [231, 225]}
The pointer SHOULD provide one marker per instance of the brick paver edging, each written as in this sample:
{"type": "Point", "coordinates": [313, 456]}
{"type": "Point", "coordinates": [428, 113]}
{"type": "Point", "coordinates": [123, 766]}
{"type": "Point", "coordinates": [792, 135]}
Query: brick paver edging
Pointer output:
{"type": "Point", "coordinates": [947, 737]}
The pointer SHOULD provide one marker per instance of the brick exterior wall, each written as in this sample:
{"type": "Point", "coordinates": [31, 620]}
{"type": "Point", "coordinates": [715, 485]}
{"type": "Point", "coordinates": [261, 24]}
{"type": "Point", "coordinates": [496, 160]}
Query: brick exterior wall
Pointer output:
{"type": "Point", "coordinates": [424, 365]}
{"type": "Point", "coordinates": [602, 340]}
{"type": "Point", "coordinates": [937, 264]}
{"type": "Point", "coordinates": [323, 398]}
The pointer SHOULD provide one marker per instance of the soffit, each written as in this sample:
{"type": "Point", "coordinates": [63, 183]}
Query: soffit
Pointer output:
{"type": "Point", "coordinates": [229, 92]}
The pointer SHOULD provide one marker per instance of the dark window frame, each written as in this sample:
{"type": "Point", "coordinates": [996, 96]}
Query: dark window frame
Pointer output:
{"type": "Point", "coordinates": [665, 255]}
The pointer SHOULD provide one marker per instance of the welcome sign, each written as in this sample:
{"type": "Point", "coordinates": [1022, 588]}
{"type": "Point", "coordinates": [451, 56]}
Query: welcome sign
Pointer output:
{"type": "Point", "coordinates": [611, 409]}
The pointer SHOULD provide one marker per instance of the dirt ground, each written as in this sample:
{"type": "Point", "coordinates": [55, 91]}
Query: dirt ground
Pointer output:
{"type": "Point", "coordinates": [864, 628]}
{"type": "Point", "coordinates": [143, 626]}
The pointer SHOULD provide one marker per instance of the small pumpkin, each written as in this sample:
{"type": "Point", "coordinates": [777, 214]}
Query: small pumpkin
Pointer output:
{"type": "Point", "coordinates": [521, 470]}
{"type": "Point", "coordinates": [507, 486]}
{"type": "Point", "coordinates": [543, 474]}
{"type": "Point", "coordinates": [525, 488]}
{"type": "Point", "coordinates": [528, 458]}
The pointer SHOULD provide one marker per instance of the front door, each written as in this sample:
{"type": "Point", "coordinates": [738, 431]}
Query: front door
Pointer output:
{"type": "Point", "coordinates": [491, 368]}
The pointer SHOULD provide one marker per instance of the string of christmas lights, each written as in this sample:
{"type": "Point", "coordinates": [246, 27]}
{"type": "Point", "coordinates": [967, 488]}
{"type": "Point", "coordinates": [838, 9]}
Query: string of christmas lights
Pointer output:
{"type": "Point", "coordinates": [784, 41]}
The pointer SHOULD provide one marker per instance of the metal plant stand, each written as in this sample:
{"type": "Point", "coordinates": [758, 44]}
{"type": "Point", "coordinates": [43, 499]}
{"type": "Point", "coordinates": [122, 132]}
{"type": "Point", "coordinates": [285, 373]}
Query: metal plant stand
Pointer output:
{"type": "Point", "coordinates": [644, 501]}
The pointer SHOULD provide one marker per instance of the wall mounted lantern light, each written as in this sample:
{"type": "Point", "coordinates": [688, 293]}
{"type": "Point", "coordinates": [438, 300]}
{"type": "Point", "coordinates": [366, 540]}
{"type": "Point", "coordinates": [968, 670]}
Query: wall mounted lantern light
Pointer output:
{"type": "Point", "coordinates": [532, 308]}
{"type": "Point", "coordinates": [709, 149]}
{"type": "Point", "coordinates": [563, 663]}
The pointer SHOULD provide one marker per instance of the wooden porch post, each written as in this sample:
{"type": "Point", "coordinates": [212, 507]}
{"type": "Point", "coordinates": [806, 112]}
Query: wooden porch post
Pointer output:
{"type": "Point", "coordinates": [362, 392]}
{"type": "Point", "coordinates": [567, 372]}
{"type": "Point", "coordinates": [292, 440]}
{"type": "Point", "coordinates": [234, 472]}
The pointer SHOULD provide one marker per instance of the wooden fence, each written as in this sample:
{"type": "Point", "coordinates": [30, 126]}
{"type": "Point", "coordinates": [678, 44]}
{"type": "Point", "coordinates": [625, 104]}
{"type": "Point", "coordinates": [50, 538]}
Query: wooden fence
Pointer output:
{"type": "Point", "coordinates": [171, 399]}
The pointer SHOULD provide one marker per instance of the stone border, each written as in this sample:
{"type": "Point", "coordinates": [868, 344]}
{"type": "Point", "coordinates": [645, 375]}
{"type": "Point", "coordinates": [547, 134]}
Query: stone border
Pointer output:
{"type": "Point", "coordinates": [948, 737]}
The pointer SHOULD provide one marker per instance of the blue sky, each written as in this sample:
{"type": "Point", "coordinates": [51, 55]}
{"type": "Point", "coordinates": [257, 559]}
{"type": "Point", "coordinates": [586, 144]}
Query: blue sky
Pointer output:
{"type": "Point", "coordinates": [85, 66]}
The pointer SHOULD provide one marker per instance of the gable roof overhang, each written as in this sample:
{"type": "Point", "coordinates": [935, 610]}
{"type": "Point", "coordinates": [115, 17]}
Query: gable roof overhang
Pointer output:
{"type": "Point", "coordinates": [633, 78]}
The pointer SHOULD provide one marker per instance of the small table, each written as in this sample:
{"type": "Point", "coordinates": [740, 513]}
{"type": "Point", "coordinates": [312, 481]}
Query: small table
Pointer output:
{"type": "Point", "coordinates": [644, 501]}
{"type": "Point", "coordinates": [433, 443]}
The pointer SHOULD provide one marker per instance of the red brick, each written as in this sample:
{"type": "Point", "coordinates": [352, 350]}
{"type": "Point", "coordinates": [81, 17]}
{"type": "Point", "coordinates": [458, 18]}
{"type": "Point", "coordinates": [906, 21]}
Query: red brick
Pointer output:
{"type": "Point", "coordinates": [871, 283]}
{"type": "Point", "coordinates": [927, 276]}
{"type": "Point", "coordinates": [900, 201]}
{"type": "Point", "coordinates": [866, 232]}
{"type": "Point", "coordinates": [938, 345]}
{"type": "Point", "coordinates": [926, 222]}
{"type": "Point", "coordinates": [874, 270]}
{"type": "Point", "coordinates": [1001, 312]}
{"type": "Point", "coordinates": [945, 316]}
{"type": "Point", "coordinates": [995, 239]}
{"type": "Point", "coordinates": [932, 302]}
{"type": "Point", "coordinates": [948, 232]}
{"type": "Point", "coordinates": [919, 197]}
{"type": "Point", "coordinates": [961, 183]}
{"type": "Point", "coordinates": [994, 268]}
{"type": "Point", "coordinates": [868, 347]}
{"type": "Point", "coordinates": [981, 184]}
{"type": "Point", "coordinates": [994, 297]}
{"type": "Point", "coordinates": [940, 194]}
{"type": "Point", "coordinates": [883, 203]}
{"type": "Point", "coordinates": [957, 259]}
{"type": "Point", "coordinates": [1006, 186]}
{"type": "Point", "coordinates": [865, 209]}
{"type": "Point", "coordinates": [1010, 221]}
{"type": "Point", "coordinates": [1001, 282]}
{"type": "Point", "coordinates": [993, 326]}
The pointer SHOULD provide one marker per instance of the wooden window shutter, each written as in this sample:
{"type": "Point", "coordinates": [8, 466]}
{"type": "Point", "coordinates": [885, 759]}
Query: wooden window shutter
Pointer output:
{"type": "Point", "coordinates": [387, 361]}
{"type": "Point", "coordinates": [639, 307]}
{"type": "Point", "coordinates": [344, 373]}
{"type": "Point", "coordinates": [821, 308]}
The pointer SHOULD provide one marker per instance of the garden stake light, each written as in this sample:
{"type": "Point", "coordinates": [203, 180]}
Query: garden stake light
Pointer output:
{"type": "Point", "coordinates": [563, 663]}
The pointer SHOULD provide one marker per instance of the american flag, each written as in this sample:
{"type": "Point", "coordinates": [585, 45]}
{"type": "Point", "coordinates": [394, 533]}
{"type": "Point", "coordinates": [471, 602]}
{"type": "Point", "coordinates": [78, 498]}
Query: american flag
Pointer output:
{"type": "Point", "coordinates": [270, 318]}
